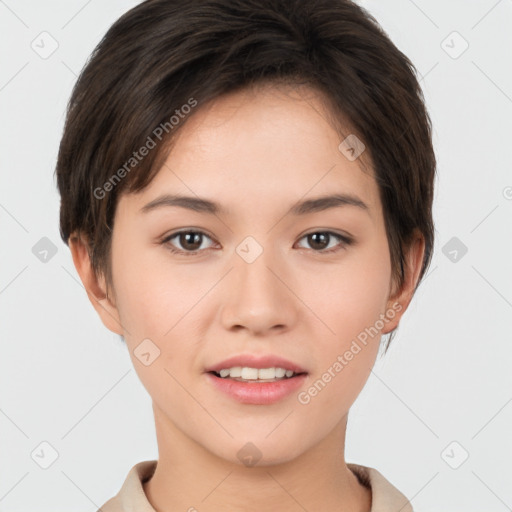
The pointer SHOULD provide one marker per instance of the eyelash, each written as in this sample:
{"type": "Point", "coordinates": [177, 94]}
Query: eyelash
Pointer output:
{"type": "Point", "coordinates": [346, 241]}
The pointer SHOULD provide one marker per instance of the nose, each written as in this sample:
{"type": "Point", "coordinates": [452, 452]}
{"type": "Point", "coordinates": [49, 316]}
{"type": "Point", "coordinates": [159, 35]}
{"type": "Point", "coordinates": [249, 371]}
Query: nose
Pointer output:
{"type": "Point", "coordinates": [259, 296]}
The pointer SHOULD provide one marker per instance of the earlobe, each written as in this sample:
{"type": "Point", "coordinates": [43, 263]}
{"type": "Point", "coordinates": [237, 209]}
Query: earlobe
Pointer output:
{"type": "Point", "coordinates": [399, 301]}
{"type": "Point", "coordinates": [94, 285]}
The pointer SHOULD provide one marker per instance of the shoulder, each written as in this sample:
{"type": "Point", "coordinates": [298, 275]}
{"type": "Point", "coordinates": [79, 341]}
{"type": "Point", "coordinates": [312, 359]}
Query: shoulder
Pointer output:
{"type": "Point", "coordinates": [112, 505]}
{"type": "Point", "coordinates": [131, 496]}
{"type": "Point", "coordinates": [385, 496]}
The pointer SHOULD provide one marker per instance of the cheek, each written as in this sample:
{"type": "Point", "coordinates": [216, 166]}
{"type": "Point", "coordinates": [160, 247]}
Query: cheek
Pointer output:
{"type": "Point", "coordinates": [351, 305]}
{"type": "Point", "coordinates": [161, 301]}
{"type": "Point", "coordinates": [150, 290]}
{"type": "Point", "coordinates": [156, 303]}
{"type": "Point", "coordinates": [351, 296]}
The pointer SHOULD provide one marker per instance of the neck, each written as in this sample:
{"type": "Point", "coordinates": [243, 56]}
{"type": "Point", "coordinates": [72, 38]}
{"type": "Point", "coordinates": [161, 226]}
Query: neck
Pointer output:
{"type": "Point", "coordinates": [189, 477]}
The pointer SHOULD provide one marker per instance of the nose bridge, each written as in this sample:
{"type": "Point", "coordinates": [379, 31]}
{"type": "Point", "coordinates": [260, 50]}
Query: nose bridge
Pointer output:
{"type": "Point", "coordinates": [258, 299]}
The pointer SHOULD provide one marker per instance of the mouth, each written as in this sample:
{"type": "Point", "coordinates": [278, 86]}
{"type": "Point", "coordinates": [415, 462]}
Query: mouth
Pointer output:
{"type": "Point", "coordinates": [257, 379]}
{"type": "Point", "coordinates": [246, 386]}
{"type": "Point", "coordinates": [256, 375]}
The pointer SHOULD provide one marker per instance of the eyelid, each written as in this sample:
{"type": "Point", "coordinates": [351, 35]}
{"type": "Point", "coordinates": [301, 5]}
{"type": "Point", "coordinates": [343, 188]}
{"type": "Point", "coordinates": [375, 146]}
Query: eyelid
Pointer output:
{"type": "Point", "coordinates": [345, 240]}
{"type": "Point", "coordinates": [342, 235]}
{"type": "Point", "coordinates": [167, 238]}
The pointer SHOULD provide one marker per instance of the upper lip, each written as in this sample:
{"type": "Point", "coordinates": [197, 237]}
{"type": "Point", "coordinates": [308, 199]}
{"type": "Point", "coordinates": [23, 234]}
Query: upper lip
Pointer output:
{"type": "Point", "coordinates": [254, 361]}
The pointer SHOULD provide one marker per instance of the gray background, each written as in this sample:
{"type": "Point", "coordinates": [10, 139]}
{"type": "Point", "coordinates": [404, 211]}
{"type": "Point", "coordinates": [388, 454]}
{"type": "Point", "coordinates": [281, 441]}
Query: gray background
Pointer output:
{"type": "Point", "coordinates": [442, 393]}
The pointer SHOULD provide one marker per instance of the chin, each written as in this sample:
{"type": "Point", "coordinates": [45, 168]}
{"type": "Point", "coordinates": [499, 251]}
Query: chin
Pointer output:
{"type": "Point", "coordinates": [259, 452]}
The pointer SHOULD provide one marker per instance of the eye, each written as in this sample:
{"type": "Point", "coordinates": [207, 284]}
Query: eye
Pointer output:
{"type": "Point", "coordinates": [190, 240]}
{"type": "Point", "coordinates": [320, 241]}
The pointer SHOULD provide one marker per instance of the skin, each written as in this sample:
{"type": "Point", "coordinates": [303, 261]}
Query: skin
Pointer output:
{"type": "Point", "coordinates": [256, 153]}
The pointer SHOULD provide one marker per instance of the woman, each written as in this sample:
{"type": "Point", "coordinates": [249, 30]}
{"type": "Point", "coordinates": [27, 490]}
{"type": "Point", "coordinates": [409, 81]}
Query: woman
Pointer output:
{"type": "Point", "coordinates": [247, 195]}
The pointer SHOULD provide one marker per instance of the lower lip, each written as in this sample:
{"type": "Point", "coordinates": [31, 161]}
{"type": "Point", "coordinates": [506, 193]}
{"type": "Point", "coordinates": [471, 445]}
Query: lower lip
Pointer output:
{"type": "Point", "coordinates": [257, 393]}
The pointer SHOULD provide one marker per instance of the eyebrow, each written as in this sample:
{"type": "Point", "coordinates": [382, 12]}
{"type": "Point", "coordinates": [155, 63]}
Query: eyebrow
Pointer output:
{"type": "Point", "coordinates": [202, 205]}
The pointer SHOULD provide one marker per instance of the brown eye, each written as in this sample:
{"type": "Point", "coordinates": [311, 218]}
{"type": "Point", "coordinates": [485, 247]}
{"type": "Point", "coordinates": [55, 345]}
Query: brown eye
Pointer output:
{"type": "Point", "coordinates": [188, 241]}
{"type": "Point", "coordinates": [320, 241]}
{"type": "Point", "coordinates": [191, 241]}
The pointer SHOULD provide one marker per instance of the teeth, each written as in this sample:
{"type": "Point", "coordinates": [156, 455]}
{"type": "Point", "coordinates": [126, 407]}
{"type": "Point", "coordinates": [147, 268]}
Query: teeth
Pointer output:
{"type": "Point", "coordinates": [226, 373]}
{"type": "Point", "coordinates": [280, 372]}
{"type": "Point", "coordinates": [247, 373]}
{"type": "Point", "coordinates": [235, 372]}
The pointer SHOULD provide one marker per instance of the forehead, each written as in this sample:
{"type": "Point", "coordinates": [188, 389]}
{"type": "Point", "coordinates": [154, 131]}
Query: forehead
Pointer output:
{"type": "Point", "coordinates": [261, 145]}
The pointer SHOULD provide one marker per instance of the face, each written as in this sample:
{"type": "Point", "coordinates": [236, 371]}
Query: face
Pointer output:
{"type": "Point", "coordinates": [258, 277]}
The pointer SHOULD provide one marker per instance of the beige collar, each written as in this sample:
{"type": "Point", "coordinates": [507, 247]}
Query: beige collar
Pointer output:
{"type": "Point", "coordinates": [131, 497]}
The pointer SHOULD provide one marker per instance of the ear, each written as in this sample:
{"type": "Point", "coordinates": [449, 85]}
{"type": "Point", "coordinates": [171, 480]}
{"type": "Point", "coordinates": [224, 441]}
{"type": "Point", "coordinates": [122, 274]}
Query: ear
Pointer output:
{"type": "Point", "coordinates": [398, 301]}
{"type": "Point", "coordinates": [94, 285]}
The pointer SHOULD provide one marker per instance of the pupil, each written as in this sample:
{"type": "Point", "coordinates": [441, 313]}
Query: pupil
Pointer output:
{"type": "Point", "coordinates": [191, 238]}
{"type": "Point", "coordinates": [315, 238]}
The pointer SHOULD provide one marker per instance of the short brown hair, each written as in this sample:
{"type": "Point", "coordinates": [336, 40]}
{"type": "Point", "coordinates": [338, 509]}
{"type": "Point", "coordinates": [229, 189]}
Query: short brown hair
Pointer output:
{"type": "Point", "coordinates": [165, 54]}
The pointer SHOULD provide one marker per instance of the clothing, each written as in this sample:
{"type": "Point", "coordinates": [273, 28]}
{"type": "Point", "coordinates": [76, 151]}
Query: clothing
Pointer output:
{"type": "Point", "coordinates": [131, 497]}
